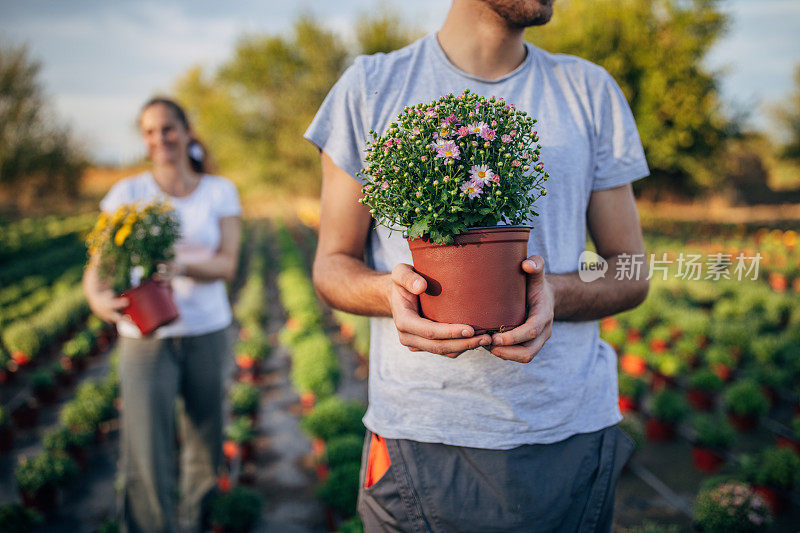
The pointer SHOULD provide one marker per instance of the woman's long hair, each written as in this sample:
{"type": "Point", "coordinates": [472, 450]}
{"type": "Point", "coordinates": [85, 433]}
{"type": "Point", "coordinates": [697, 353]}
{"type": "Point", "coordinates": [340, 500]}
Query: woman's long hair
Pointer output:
{"type": "Point", "coordinates": [197, 153]}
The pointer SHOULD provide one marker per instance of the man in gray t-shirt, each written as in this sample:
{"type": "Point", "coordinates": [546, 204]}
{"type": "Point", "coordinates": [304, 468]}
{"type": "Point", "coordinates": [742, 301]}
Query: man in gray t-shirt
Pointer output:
{"type": "Point", "coordinates": [550, 382]}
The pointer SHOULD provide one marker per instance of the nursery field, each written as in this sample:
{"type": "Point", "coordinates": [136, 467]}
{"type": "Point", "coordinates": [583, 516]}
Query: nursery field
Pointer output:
{"type": "Point", "coordinates": [709, 375]}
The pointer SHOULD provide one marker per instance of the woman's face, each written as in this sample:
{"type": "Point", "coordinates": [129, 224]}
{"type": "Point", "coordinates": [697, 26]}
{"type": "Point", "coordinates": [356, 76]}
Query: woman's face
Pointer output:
{"type": "Point", "coordinates": [164, 135]}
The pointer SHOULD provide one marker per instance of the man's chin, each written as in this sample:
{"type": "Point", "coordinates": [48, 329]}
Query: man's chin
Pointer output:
{"type": "Point", "coordinates": [520, 14]}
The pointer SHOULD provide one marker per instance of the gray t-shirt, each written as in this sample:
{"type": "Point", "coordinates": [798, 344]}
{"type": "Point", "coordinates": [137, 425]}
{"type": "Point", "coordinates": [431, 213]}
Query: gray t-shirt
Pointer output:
{"type": "Point", "coordinates": [589, 142]}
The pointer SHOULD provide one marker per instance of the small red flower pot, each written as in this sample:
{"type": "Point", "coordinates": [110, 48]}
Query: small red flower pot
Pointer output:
{"type": "Point", "coordinates": [6, 439]}
{"type": "Point", "coordinates": [150, 305]}
{"type": "Point", "coordinates": [660, 382]}
{"type": "Point", "coordinates": [700, 400]}
{"type": "Point", "coordinates": [308, 399]}
{"type": "Point", "coordinates": [706, 460]}
{"type": "Point", "coordinates": [722, 371]}
{"type": "Point", "coordinates": [43, 500]}
{"type": "Point", "coordinates": [776, 500]}
{"type": "Point", "coordinates": [788, 442]}
{"type": "Point", "coordinates": [318, 447]}
{"type": "Point", "coordinates": [633, 364]}
{"type": "Point", "coordinates": [322, 471]}
{"type": "Point", "coordinates": [743, 423]}
{"type": "Point", "coordinates": [627, 404]}
{"type": "Point", "coordinates": [659, 431]}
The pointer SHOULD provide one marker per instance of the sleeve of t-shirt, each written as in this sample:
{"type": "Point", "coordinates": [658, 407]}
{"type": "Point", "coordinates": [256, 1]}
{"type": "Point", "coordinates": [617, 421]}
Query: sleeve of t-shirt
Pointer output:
{"type": "Point", "coordinates": [338, 129]}
{"type": "Point", "coordinates": [619, 158]}
{"type": "Point", "coordinates": [118, 195]}
{"type": "Point", "coordinates": [226, 199]}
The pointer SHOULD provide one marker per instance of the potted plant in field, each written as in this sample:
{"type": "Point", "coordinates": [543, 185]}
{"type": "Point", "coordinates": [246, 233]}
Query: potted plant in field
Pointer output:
{"type": "Point", "coordinates": [38, 479]}
{"type": "Point", "coordinates": [788, 439]}
{"type": "Point", "coordinates": [731, 507]}
{"type": "Point", "coordinates": [774, 472]}
{"type": "Point", "coordinates": [245, 400]}
{"type": "Point", "coordinates": [239, 437]}
{"type": "Point", "coordinates": [6, 432]}
{"type": "Point", "coordinates": [746, 404]}
{"type": "Point", "coordinates": [73, 443]}
{"type": "Point", "coordinates": [249, 354]}
{"type": "Point", "coordinates": [44, 386]}
{"type": "Point", "coordinates": [236, 511]}
{"type": "Point", "coordinates": [16, 518]}
{"type": "Point", "coordinates": [134, 241]}
{"type": "Point", "coordinates": [448, 174]}
{"type": "Point", "coordinates": [703, 386]}
{"type": "Point", "coordinates": [713, 435]}
{"type": "Point", "coordinates": [630, 392]}
{"type": "Point", "coordinates": [669, 407]}
{"type": "Point", "coordinates": [720, 361]}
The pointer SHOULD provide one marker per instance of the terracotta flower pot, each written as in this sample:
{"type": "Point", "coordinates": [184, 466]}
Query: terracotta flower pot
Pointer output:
{"type": "Point", "coordinates": [706, 460]}
{"type": "Point", "coordinates": [478, 280]}
{"type": "Point", "coordinates": [700, 399]}
{"type": "Point", "coordinates": [789, 443]}
{"type": "Point", "coordinates": [776, 500]}
{"type": "Point", "coordinates": [150, 306]}
{"type": "Point", "coordinates": [743, 423]}
{"type": "Point", "coordinates": [627, 404]}
{"type": "Point", "coordinates": [659, 431]}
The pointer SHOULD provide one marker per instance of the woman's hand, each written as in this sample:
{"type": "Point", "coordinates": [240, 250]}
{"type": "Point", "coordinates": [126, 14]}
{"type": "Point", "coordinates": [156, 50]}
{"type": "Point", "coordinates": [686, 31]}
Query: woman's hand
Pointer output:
{"type": "Point", "coordinates": [107, 305]}
{"type": "Point", "coordinates": [167, 271]}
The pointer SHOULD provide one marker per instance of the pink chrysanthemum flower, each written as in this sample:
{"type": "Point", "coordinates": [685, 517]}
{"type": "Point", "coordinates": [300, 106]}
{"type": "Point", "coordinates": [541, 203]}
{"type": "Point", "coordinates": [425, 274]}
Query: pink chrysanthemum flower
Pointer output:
{"type": "Point", "coordinates": [418, 194]}
{"type": "Point", "coordinates": [414, 130]}
{"type": "Point", "coordinates": [481, 174]}
{"type": "Point", "coordinates": [506, 139]}
{"type": "Point", "coordinates": [476, 127]}
{"type": "Point", "coordinates": [451, 119]}
{"type": "Point", "coordinates": [472, 188]}
{"type": "Point", "coordinates": [384, 186]}
{"type": "Point", "coordinates": [463, 131]}
{"type": "Point", "coordinates": [448, 150]}
{"type": "Point", "coordinates": [487, 133]}
{"type": "Point", "coordinates": [516, 163]}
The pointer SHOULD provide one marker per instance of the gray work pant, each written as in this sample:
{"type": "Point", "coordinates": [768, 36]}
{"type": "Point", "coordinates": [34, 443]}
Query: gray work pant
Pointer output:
{"type": "Point", "coordinates": [566, 486]}
{"type": "Point", "coordinates": [153, 374]}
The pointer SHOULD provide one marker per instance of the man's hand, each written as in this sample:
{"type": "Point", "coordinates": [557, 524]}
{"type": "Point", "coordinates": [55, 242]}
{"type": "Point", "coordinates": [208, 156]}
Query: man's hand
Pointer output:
{"type": "Point", "coordinates": [421, 334]}
{"type": "Point", "coordinates": [522, 343]}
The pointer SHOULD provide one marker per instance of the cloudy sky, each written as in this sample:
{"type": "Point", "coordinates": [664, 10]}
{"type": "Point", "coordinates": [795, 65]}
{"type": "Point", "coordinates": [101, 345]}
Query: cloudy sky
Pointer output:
{"type": "Point", "coordinates": [101, 59]}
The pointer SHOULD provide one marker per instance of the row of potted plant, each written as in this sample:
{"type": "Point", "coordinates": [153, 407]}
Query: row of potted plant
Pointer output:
{"type": "Point", "coordinates": [47, 262]}
{"type": "Point", "coordinates": [26, 339]}
{"type": "Point", "coordinates": [315, 368]}
{"type": "Point", "coordinates": [30, 303]}
{"type": "Point", "coordinates": [334, 425]}
{"type": "Point", "coordinates": [25, 236]}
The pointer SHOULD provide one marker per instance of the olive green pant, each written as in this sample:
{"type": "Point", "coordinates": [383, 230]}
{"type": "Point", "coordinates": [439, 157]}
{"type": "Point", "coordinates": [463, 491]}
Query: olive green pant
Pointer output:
{"type": "Point", "coordinates": [154, 373]}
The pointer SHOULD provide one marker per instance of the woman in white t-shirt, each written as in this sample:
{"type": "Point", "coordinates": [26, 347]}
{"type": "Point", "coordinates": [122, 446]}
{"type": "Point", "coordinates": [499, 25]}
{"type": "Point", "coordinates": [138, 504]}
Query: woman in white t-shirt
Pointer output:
{"type": "Point", "coordinates": [184, 358]}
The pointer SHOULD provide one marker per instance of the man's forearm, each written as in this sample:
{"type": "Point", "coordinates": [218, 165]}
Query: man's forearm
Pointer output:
{"type": "Point", "coordinates": [580, 300]}
{"type": "Point", "coordinates": [346, 283]}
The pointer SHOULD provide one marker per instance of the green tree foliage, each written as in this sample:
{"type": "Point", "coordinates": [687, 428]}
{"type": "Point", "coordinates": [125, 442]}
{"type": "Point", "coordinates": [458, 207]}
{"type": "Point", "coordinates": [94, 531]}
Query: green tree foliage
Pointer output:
{"type": "Point", "coordinates": [655, 50]}
{"type": "Point", "coordinates": [383, 31]}
{"type": "Point", "coordinates": [788, 118]}
{"type": "Point", "coordinates": [34, 150]}
{"type": "Point", "coordinates": [253, 110]}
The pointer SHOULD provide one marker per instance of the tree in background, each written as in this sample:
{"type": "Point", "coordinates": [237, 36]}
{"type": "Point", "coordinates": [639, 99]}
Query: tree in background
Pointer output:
{"type": "Point", "coordinates": [655, 50]}
{"type": "Point", "coordinates": [37, 156]}
{"type": "Point", "coordinates": [788, 118]}
{"type": "Point", "coordinates": [253, 111]}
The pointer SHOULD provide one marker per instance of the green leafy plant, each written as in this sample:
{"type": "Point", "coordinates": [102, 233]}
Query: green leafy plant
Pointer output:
{"type": "Point", "coordinates": [334, 417]}
{"type": "Point", "coordinates": [731, 507]}
{"type": "Point", "coordinates": [776, 467]}
{"type": "Point", "coordinates": [458, 162]}
{"type": "Point", "coordinates": [705, 380]}
{"type": "Point", "coordinates": [63, 439]}
{"type": "Point", "coordinates": [240, 430]}
{"type": "Point", "coordinates": [236, 511]}
{"type": "Point", "coordinates": [669, 406]}
{"type": "Point", "coordinates": [630, 386]}
{"type": "Point", "coordinates": [746, 399]}
{"type": "Point", "coordinates": [14, 518]}
{"type": "Point", "coordinates": [713, 431]}
{"type": "Point", "coordinates": [340, 489]}
{"type": "Point", "coordinates": [45, 469]}
{"type": "Point", "coordinates": [244, 399]}
{"type": "Point", "coordinates": [344, 449]}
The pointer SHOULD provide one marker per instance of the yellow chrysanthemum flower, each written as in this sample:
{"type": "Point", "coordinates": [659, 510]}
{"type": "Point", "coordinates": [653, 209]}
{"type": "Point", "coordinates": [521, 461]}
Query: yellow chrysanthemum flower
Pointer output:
{"type": "Point", "coordinates": [122, 234]}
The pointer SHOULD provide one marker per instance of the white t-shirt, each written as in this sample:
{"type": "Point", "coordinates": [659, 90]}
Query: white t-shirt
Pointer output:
{"type": "Point", "coordinates": [203, 305]}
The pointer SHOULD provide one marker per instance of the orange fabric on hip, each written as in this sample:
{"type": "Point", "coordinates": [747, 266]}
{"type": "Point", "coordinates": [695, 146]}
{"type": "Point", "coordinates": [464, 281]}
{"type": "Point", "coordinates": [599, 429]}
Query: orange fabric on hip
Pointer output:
{"type": "Point", "coordinates": [378, 461]}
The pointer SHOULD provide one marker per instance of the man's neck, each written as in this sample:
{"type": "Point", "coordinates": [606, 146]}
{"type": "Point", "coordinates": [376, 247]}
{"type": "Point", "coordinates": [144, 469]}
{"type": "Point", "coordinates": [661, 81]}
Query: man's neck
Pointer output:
{"type": "Point", "coordinates": [478, 41]}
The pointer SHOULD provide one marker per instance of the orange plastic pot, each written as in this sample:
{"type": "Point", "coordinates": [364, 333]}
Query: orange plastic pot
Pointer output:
{"type": "Point", "coordinates": [150, 306]}
{"type": "Point", "coordinates": [478, 280]}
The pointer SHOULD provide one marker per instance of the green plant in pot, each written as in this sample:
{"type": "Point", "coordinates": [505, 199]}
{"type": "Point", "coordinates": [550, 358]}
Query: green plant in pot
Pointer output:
{"type": "Point", "coordinates": [774, 472]}
{"type": "Point", "coordinates": [713, 435]}
{"type": "Point", "coordinates": [236, 511]}
{"type": "Point", "coordinates": [703, 386]}
{"type": "Point", "coordinates": [456, 175]}
{"type": "Point", "coordinates": [669, 407]}
{"type": "Point", "coordinates": [746, 404]}
{"type": "Point", "coordinates": [39, 478]}
{"type": "Point", "coordinates": [731, 507]}
{"type": "Point", "coordinates": [245, 399]}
